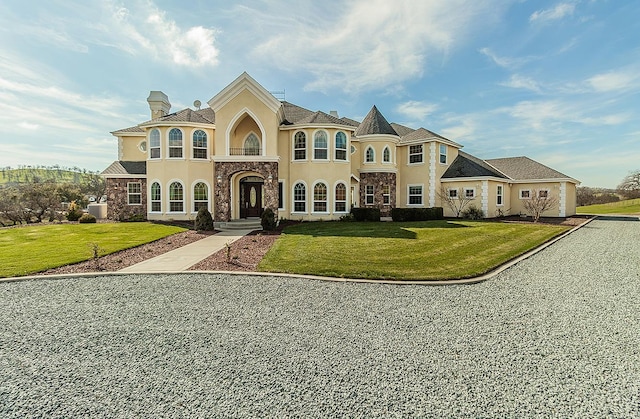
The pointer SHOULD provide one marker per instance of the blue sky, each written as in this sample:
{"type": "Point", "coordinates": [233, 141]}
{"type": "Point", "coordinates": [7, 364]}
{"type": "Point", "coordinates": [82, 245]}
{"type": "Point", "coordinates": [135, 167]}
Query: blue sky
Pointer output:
{"type": "Point", "coordinates": [558, 81]}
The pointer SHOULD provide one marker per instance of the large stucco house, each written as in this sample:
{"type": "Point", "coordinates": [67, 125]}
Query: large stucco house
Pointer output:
{"type": "Point", "coordinates": [248, 151]}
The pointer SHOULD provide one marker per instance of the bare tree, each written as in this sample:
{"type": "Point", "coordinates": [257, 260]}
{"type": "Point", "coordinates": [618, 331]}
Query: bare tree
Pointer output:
{"type": "Point", "coordinates": [454, 199]}
{"type": "Point", "coordinates": [539, 202]}
{"type": "Point", "coordinates": [630, 185]}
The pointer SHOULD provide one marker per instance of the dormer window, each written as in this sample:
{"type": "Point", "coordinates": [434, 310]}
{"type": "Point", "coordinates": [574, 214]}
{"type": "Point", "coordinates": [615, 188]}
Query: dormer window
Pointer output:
{"type": "Point", "coordinates": [154, 144]}
{"type": "Point", "coordinates": [175, 143]}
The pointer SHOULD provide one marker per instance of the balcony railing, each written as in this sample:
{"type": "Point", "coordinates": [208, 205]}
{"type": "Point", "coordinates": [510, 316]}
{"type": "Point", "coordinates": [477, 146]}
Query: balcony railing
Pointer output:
{"type": "Point", "coordinates": [245, 151]}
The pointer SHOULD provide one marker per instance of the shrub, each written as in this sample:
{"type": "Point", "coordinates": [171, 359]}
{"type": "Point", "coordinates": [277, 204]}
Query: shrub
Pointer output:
{"type": "Point", "coordinates": [472, 213]}
{"type": "Point", "coordinates": [204, 221]}
{"type": "Point", "coordinates": [417, 214]}
{"type": "Point", "coordinates": [136, 218]}
{"type": "Point", "coordinates": [74, 213]}
{"type": "Point", "coordinates": [366, 214]}
{"type": "Point", "coordinates": [86, 219]}
{"type": "Point", "coordinates": [347, 217]}
{"type": "Point", "coordinates": [268, 220]}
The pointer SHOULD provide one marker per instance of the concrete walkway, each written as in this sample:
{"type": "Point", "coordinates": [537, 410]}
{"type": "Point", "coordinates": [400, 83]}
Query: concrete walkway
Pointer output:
{"type": "Point", "coordinates": [184, 257]}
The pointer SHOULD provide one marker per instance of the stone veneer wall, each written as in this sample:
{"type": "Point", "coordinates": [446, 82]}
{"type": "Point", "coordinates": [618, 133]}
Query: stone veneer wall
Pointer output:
{"type": "Point", "coordinates": [222, 194]}
{"type": "Point", "coordinates": [117, 199]}
{"type": "Point", "coordinates": [378, 180]}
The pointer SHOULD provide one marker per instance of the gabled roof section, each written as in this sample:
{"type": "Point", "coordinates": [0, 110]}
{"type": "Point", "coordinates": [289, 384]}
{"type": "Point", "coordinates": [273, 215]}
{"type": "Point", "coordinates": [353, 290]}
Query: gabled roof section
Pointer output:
{"type": "Point", "coordinates": [349, 121]}
{"type": "Point", "coordinates": [129, 130]}
{"type": "Point", "coordinates": [294, 113]}
{"type": "Point", "coordinates": [401, 129]}
{"type": "Point", "coordinates": [320, 117]}
{"type": "Point", "coordinates": [242, 83]}
{"type": "Point", "coordinates": [185, 115]}
{"type": "Point", "coordinates": [125, 168]}
{"type": "Point", "coordinates": [466, 165]}
{"type": "Point", "coordinates": [374, 123]}
{"type": "Point", "coordinates": [524, 168]}
{"type": "Point", "coordinates": [425, 134]}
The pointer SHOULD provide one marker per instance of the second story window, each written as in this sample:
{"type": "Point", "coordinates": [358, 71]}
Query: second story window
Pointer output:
{"type": "Point", "coordinates": [369, 155]}
{"type": "Point", "coordinates": [415, 153]}
{"type": "Point", "coordinates": [175, 143]}
{"type": "Point", "coordinates": [320, 146]}
{"type": "Point", "coordinates": [154, 144]}
{"type": "Point", "coordinates": [252, 146]}
{"type": "Point", "coordinates": [443, 154]}
{"type": "Point", "coordinates": [300, 146]}
{"type": "Point", "coordinates": [341, 146]}
{"type": "Point", "coordinates": [386, 155]}
{"type": "Point", "coordinates": [199, 144]}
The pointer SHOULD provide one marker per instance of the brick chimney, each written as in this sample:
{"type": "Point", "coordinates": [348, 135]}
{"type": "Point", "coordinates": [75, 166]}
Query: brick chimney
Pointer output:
{"type": "Point", "coordinates": [158, 103]}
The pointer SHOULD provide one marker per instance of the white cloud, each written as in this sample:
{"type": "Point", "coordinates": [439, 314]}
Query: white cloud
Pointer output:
{"type": "Point", "coordinates": [506, 62]}
{"type": "Point", "coordinates": [416, 110]}
{"type": "Point", "coordinates": [558, 12]}
{"type": "Point", "coordinates": [614, 80]}
{"type": "Point", "coordinates": [521, 82]}
{"type": "Point", "coordinates": [397, 41]}
{"type": "Point", "coordinates": [28, 126]}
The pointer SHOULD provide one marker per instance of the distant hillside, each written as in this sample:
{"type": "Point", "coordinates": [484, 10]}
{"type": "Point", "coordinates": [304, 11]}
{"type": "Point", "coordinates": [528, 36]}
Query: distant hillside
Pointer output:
{"type": "Point", "coordinates": [10, 176]}
{"type": "Point", "coordinates": [630, 206]}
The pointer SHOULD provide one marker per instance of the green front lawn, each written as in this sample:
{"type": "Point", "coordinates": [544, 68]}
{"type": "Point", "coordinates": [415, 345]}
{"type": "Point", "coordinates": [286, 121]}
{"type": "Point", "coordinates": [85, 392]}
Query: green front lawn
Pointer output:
{"type": "Point", "coordinates": [416, 250]}
{"type": "Point", "coordinates": [25, 250]}
{"type": "Point", "coordinates": [630, 206]}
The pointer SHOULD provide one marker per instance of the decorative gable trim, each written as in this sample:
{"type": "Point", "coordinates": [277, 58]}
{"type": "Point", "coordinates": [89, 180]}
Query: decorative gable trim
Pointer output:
{"type": "Point", "coordinates": [242, 83]}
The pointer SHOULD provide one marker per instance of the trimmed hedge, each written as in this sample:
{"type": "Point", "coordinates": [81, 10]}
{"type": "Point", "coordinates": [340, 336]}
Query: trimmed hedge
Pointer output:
{"type": "Point", "coordinates": [417, 214]}
{"type": "Point", "coordinates": [366, 214]}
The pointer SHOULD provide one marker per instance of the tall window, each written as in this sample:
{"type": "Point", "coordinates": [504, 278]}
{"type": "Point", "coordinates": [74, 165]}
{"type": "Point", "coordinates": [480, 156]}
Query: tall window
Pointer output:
{"type": "Point", "coordinates": [368, 194]}
{"type": "Point", "coordinates": [369, 155]}
{"type": "Point", "coordinates": [415, 195]}
{"type": "Point", "coordinates": [154, 144]}
{"type": "Point", "coordinates": [134, 193]}
{"type": "Point", "coordinates": [415, 153]}
{"type": "Point", "coordinates": [175, 143]}
{"type": "Point", "coordinates": [176, 197]}
{"type": "Point", "coordinates": [252, 145]}
{"type": "Point", "coordinates": [499, 195]}
{"type": "Point", "coordinates": [443, 154]}
{"type": "Point", "coordinates": [199, 144]}
{"type": "Point", "coordinates": [386, 194]}
{"type": "Point", "coordinates": [320, 150]}
{"type": "Point", "coordinates": [281, 195]}
{"type": "Point", "coordinates": [299, 198]}
{"type": "Point", "coordinates": [300, 146]}
{"type": "Point", "coordinates": [341, 198]}
{"type": "Point", "coordinates": [156, 197]}
{"type": "Point", "coordinates": [200, 196]}
{"type": "Point", "coordinates": [386, 155]}
{"type": "Point", "coordinates": [341, 146]}
{"type": "Point", "coordinates": [320, 197]}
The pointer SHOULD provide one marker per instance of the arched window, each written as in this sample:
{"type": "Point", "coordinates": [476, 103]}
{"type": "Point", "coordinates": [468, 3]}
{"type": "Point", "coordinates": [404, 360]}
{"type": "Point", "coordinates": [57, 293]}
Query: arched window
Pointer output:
{"type": "Point", "coordinates": [320, 146]}
{"type": "Point", "coordinates": [200, 196]}
{"type": "Point", "coordinates": [369, 155]}
{"type": "Point", "coordinates": [154, 144]}
{"type": "Point", "coordinates": [300, 146]}
{"type": "Point", "coordinates": [320, 197]}
{"type": "Point", "coordinates": [252, 145]}
{"type": "Point", "coordinates": [199, 144]}
{"type": "Point", "coordinates": [156, 197]}
{"type": "Point", "coordinates": [386, 155]}
{"type": "Point", "coordinates": [299, 198]}
{"type": "Point", "coordinates": [341, 198]}
{"type": "Point", "coordinates": [175, 143]}
{"type": "Point", "coordinates": [341, 146]}
{"type": "Point", "coordinates": [176, 197]}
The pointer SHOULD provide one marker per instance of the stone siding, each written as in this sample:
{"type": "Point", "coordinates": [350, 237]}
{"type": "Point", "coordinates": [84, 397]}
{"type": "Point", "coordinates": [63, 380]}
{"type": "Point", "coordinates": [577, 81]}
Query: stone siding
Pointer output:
{"type": "Point", "coordinates": [118, 207]}
{"type": "Point", "coordinates": [378, 180]}
{"type": "Point", "coordinates": [222, 194]}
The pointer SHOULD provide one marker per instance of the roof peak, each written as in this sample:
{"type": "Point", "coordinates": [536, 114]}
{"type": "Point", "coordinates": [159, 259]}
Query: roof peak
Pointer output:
{"type": "Point", "coordinates": [375, 123]}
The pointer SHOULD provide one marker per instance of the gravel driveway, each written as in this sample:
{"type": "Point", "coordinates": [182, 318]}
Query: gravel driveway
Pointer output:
{"type": "Point", "coordinates": [558, 335]}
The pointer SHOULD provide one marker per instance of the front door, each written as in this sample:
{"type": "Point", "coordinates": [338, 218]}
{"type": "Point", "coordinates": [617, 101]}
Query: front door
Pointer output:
{"type": "Point", "coordinates": [250, 199]}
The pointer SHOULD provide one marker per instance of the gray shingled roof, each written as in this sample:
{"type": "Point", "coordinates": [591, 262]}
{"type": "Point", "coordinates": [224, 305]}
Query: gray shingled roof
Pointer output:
{"type": "Point", "coordinates": [466, 165]}
{"type": "Point", "coordinates": [320, 117]}
{"type": "Point", "coordinates": [349, 121]}
{"type": "Point", "coordinates": [374, 123]}
{"type": "Point", "coordinates": [130, 129]}
{"type": "Point", "coordinates": [294, 113]}
{"type": "Point", "coordinates": [126, 168]}
{"type": "Point", "coordinates": [401, 129]}
{"type": "Point", "coordinates": [186, 115]}
{"type": "Point", "coordinates": [424, 134]}
{"type": "Point", "coordinates": [523, 168]}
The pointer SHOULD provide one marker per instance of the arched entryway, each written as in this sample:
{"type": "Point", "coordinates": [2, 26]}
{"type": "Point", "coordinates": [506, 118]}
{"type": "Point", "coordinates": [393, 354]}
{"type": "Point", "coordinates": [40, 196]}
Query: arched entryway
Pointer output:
{"type": "Point", "coordinates": [251, 196]}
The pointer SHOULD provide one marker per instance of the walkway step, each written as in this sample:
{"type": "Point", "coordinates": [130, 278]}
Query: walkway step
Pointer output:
{"type": "Point", "coordinates": [184, 257]}
{"type": "Point", "coordinates": [239, 225]}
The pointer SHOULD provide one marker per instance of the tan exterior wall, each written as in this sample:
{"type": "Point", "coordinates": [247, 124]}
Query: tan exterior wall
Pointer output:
{"type": "Point", "coordinates": [517, 206]}
{"type": "Point", "coordinates": [132, 148]}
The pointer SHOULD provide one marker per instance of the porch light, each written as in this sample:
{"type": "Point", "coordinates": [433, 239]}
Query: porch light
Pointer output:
{"type": "Point", "coordinates": [219, 179]}
{"type": "Point", "coordinates": [270, 178]}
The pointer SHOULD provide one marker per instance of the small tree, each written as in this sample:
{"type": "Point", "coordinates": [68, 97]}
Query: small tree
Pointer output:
{"type": "Point", "coordinates": [454, 199]}
{"type": "Point", "coordinates": [204, 221]}
{"type": "Point", "coordinates": [539, 202]}
{"type": "Point", "coordinates": [268, 220]}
